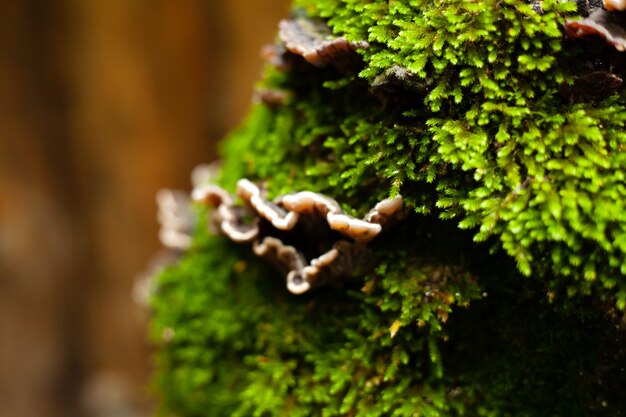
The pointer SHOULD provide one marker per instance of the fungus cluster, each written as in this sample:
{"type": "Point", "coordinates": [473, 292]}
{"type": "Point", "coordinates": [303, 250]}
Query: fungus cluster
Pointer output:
{"type": "Point", "coordinates": [306, 235]}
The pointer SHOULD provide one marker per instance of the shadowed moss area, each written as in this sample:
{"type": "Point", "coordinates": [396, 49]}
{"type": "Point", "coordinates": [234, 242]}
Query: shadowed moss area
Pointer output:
{"type": "Point", "coordinates": [503, 292]}
{"type": "Point", "coordinates": [436, 330]}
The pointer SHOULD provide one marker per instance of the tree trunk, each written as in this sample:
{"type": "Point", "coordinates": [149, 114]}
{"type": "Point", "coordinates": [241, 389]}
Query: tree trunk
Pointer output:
{"type": "Point", "coordinates": [101, 104]}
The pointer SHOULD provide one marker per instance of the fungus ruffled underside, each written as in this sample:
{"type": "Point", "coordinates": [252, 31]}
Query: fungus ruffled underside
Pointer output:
{"type": "Point", "coordinates": [306, 235]}
{"type": "Point", "coordinates": [501, 294]}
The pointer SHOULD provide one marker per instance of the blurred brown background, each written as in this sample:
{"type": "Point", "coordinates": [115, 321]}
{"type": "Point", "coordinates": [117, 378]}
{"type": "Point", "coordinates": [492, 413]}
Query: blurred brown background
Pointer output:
{"type": "Point", "coordinates": [102, 102]}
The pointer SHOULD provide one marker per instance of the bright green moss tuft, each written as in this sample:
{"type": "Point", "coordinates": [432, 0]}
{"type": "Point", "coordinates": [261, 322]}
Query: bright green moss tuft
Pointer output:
{"type": "Point", "coordinates": [503, 176]}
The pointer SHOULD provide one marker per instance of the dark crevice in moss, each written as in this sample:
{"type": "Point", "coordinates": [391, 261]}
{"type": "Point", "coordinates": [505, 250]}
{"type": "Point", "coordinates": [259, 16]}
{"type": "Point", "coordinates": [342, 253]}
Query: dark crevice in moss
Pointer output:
{"type": "Point", "coordinates": [534, 361]}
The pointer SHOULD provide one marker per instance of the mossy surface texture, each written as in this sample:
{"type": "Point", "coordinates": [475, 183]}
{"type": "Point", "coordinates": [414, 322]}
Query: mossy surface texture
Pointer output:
{"type": "Point", "coordinates": [503, 292]}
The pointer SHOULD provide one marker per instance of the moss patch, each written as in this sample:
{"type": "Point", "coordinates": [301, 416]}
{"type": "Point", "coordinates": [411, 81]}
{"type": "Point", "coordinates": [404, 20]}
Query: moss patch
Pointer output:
{"type": "Point", "coordinates": [504, 176]}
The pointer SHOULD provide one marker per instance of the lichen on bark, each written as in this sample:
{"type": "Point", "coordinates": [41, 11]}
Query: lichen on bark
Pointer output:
{"type": "Point", "coordinates": [501, 294]}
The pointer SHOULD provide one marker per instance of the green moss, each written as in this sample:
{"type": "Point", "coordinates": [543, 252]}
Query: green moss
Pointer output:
{"type": "Point", "coordinates": [413, 340]}
{"type": "Point", "coordinates": [504, 178]}
{"type": "Point", "coordinates": [492, 144]}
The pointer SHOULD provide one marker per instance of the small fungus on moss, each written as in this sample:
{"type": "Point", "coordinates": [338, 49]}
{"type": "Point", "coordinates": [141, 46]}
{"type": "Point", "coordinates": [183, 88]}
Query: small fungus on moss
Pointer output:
{"type": "Point", "coordinates": [296, 218]}
{"type": "Point", "coordinates": [177, 224]}
{"type": "Point", "coordinates": [228, 217]}
{"type": "Point", "coordinates": [275, 56]}
{"type": "Point", "coordinates": [278, 216]}
{"type": "Point", "coordinates": [271, 97]}
{"type": "Point", "coordinates": [313, 41]}
{"type": "Point", "coordinates": [345, 259]}
{"type": "Point", "coordinates": [614, 4]}
{"type": "Point", "coordinates": [176, 219]}
{"type": "Point", "coordinates": [611, 26]}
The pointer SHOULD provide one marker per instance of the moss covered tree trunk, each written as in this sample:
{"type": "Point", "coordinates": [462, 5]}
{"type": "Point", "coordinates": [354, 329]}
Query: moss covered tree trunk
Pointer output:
{"type": "Point", "coordinates": [501, 291]}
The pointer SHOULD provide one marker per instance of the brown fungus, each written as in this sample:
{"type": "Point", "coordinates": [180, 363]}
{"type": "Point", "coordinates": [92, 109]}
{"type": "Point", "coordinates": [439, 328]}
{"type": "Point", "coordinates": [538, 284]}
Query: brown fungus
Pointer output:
{"type": "Point", "coordinates": [286, 259]}
{"type": "Point", "coordinates": [609, 25]}
{"type": "Point", "coordinates": [344, 259]}
{"type": "Point", "coordinates": [227, 216]}
{"type": "Point", "coordinates": [300, 226]}
{"type": "Point", "coordinates": [177, 222]}
{"type": "Point", "coordinates": [205, 173]}
{"type": "Point", "coordinates": [359, 230]}
{"type": "Point", "coordinates": [313, 41]}
{"type": "Point", "coordinates": [397, 78]}
{"type": "Point", "coordinates": [278, 216]}
{"type": "Point", "coordinates": [176, 219]}
{"type": "Point", "coordinates": [618, 5]}
{"type": "Point", "coordinates": [274, 55]}
{"type": "Point", "coordinates": [271, 97]}
{"type": "Point", "coordinates": [280, 58]}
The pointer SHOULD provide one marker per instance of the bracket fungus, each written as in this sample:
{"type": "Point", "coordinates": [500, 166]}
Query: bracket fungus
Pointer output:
{"type": "Point", "coordinates": [343, 259]}
{"type": "Point", "coordinates": [313, 41]}
{"type": "Point", "coordinates": [271, 97]}
{"type": "Point", "coordinates": [609, 25]}
{"type": "Point", "coordinates": [176, 219]}
{"type": "Point", "coordinates": [615, 4]}
{"type": "Point", "coordinates": [306, 235]}
{"type": "Point", "coordinates": [177, 222]}
{"type": "Point", "coordinates": [228, 217]}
